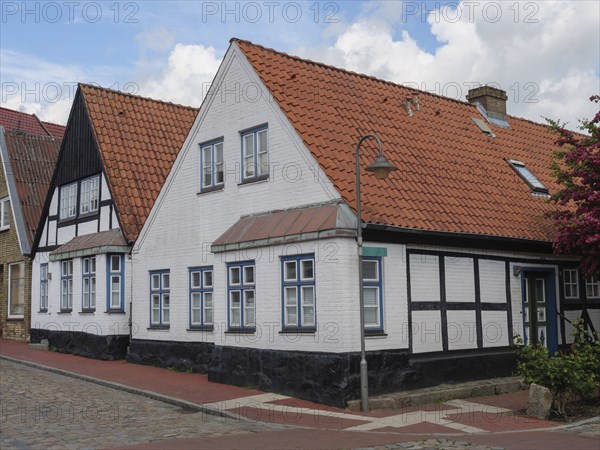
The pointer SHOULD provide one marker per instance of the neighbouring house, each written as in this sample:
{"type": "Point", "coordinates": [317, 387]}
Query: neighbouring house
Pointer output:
{"type": "Point", "coordinates": [116, 153]}
{"type": "Point", "coordinates": [28, 151]}
{"type": "Point", "coordinates": [247, 266]}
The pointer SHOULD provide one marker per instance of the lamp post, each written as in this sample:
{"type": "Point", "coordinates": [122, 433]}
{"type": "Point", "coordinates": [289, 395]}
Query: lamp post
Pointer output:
{"type": "Point", "coordinates": [381, 168]}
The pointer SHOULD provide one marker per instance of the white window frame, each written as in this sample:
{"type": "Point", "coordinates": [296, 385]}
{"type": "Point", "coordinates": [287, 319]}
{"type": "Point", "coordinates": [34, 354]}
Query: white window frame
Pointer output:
{"type": "Point", "coordinates": [257, 159]}
{"type": "Point", "coordinates": [88, 283]}
{"type": "Point", "coordinates": [4, 213]}
{"type": "Point", "coordinates": [115, 273]}
{"type": "Point", "coordinates": [375, 284]}
{"type": "Point", "coordinates": [66, 285]}
{"type": "Point", "coordinates": [203, 293]}
{"type": "Point", "coordinates": [44, 287]}
{"type": "Point", "coordinates": [21, 289]}
{"type": "Point", "coordinates": [68, 201]}
{"type": "Point", "coordinates": [245, 289]}
{"type": "Point", "coordinates": [568, 285]}
{"type": "Point", "coordinates": [592, 284]}
{"type": "Point", "coordinates": [89, 201]}
{"type": "Point", "coordinates": [214, 166]}
{"type": "Point", "coordinates": [160, 291]}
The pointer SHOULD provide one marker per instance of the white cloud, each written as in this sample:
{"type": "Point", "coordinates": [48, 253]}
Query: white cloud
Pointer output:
{"type": "Point", "coordinates": [544, 54]}
{"type": "Point", "coordinates": [186, 77]}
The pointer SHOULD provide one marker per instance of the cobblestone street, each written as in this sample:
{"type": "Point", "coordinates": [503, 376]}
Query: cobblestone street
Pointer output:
{"type": "Point", "coordinates": [40, 409]}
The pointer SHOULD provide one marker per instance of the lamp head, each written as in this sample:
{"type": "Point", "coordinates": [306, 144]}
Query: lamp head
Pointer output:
{"type": "Point", "coordinates": [381, 167]}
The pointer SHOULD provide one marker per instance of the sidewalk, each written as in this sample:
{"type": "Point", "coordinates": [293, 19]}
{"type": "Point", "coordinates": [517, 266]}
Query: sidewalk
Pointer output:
{"type": "Point", "coordinates": [476, 420]}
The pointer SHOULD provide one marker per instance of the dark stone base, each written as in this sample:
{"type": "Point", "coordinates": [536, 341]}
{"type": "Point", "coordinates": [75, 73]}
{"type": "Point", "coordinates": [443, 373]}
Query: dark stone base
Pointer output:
{"type": "Point", "coordinates": [181, 356]}
{"type": "Point", "coordinates": [110, 347]}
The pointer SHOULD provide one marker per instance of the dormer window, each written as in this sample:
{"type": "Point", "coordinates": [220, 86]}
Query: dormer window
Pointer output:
{"type": "Point", "coordinates": [532, 181]}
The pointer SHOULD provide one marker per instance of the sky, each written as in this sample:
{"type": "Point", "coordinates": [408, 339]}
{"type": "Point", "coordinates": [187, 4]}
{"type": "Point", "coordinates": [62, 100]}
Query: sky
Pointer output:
{"type": "Point", "coordinates": [544, 54]}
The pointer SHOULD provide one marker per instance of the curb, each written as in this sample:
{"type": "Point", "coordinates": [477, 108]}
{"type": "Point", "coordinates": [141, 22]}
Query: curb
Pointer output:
{"type": "Point", "coordinates": [132, 390]}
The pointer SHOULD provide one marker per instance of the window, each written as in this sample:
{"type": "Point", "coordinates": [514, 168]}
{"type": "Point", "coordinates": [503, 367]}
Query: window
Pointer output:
{"type": "Point", "coordinates": [372, 293]}
{"type": "Point", "coordinates": [255, 154]}
{"type": "Point", "coordinates": [592, 287]}
{"type": "Point", "coordinates": [201, 297]}
{"type": "Point", "coordinates": [16, 290]}
{"type": "Point", "coordinates": [299, 292]}
{"type": "Point", "coordinates": [90, 190]}
{"type": "Point", "coordinates": [4, 213]}
{"type": "Point", "coordinates": [66, 285]}
{"type": "Point", "coordinates": [115, 289]}
{"type": "Point", "coordinates": [211, 162]}
{"type": "Point", "coordinates": [68, 201]}
{"type": "Point", "coordinates": [44, 287]}
{"type": "Point", "coordinates": [571, 282]}
{"type": "Point", "coordinates": [535, 184]}
{"type": "Point", "coordinates": [88, 274]}
{"type": "Point", "coordinates": [160, 298]}
{"type": "Point", "coordinates": [242, 295]}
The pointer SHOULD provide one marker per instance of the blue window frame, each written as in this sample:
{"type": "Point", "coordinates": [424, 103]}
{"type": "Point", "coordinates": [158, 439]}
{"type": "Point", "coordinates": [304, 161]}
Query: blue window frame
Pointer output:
{"type": "Point", "coordinates": [88, 283]}
{"type": "Point", "coordinates": [211, 165]}
{"type": "Point", "coordinates": [255, 153]}
{"type": "Point", "coordinates": [373, 293]}
{"type": "Point", "coordinates": [44, 287]}
{"type": "Point", "coordinates": [201, 297]}
{"type": "Point", "coordinates": [66, 285]}
{"type": "Point", "coordinates": [160, 298]}
{"type": "Point", "coordinates": [241, 295]}
{"type": "Point", "coordinates": [115, 289]}
{"type": "Point", "coordinates": [298, 292]}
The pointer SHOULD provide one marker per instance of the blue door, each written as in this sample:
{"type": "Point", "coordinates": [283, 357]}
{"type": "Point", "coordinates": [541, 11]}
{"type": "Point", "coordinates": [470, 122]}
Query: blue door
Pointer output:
{"type": "Point", "coordinates": [539, 308]}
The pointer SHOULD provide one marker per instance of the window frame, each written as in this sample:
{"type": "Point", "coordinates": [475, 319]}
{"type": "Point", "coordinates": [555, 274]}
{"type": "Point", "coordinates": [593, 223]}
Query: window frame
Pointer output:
{"type": "Point", "coordinates": [201, 290]}
{"type": "Point", "coordinates": [593, 281]}
{"type": "Point", "coordinates": [243, 288]}
{"type": "Point", "coordinates": [160, 292]}
{"type": "Point", "coordinates": [571, 283]}
{"type": "Point", "coordinates": [5, 206]}
{"type": "Point", "coordinates": [21, 288]}
{"type": "Point", "coordinates": [63, 197]}
{"type": "Point", "coordinates": [43, 287]}
{"type": "Point", "coordinates": [68, 279]}
{"type": "Point", "coordinates": [298, 283]}
{"type": "Point", "coordinates": [110, 273]}
{"type": "Point", "coordinates": [89, 181]}
{"type": "Point", "coordinates": [212, 144]}
{"type": "Point", "coordinates": [371, 283]}
{"type": "Point", "coordinates": [254, 131]}
{"type": "Point", "coordinates": [534, 183]}
{"type": "Point", "coordinates": [92, 280]}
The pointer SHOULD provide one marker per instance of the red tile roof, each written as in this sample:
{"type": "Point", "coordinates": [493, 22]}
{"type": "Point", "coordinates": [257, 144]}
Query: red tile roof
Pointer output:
{"type": "Point", "coordinates": [451, 176]}
{"type": "Point", "coordinates": [29, 123]}
{"type": "Point", "coordinates": [32, 160]}
{"type": "Point", "coordinates": [139, 139]}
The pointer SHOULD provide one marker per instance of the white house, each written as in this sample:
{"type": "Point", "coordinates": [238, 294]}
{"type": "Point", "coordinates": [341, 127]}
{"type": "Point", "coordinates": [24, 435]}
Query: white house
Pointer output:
{"type": "Point", "coordinates": [247, 266]}
{"type": "Point", "coordinates": [116, 153]}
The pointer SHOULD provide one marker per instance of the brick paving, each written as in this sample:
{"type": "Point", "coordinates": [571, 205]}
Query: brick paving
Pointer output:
{"type": "Point", "coordinates": [45, 410]}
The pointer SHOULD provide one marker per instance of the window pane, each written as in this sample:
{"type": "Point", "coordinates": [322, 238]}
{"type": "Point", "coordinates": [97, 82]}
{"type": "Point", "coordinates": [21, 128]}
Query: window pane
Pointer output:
{"type": "Point", "coordinates": [94, 194]}
{"type": "Point", "coordinates": [235, 317]}
{"type": "Point", "coordinates": [290, 270]}
{"type": "Point", "coordinates": [308, 295]}
{"type": "Point", "coordinates": [166, 308]}
{"type": "Point", "coordinates": [93, 292]}
{"type": "Point", "coordinates": [248, 274]}
{"type": "Point", "coordinates": [291, 315]}
{"type": "Point", "coordinates": [166, 281]}
{"type": "Point", "coordinates": [371, 316]}
{"type": "Point", "coordinates": [249, 316]}
{"type": "Point", "coordinates": [370, 270]}
{"type": "Point", "coordinates": [235, 299]}
{"type": "Point", "coordinates": [291, 297]}
{"type": "Point", "coordinates": [208, 308]}
{"type": "Point", "coordinates": [86, 266]}
{"type": "Point", "coordinates": [115, 263]}
{"type": "Point", "coordinates": [208, 278]}
{"type": "Point", "coordinates": [234, 275]}
{"type": "Point", "coordinates": [207, 166]}
{"type": "Point", "coordinates": [155, 281]}
{"type": "Point", "coordinates": [5, 213]}
{"type": "Point", "coordinates": [308, 272]}
{"type": "Point", "coordinates": [263, 163]}
{"type": "Point", "coordinates": [219, 163]}
{"type": "Point", "coordinates": [93, 265]}
{"type": "Point", "coordinates": [208, 300]}
{"type": "Point", "coordinates": [196, 316]}
{"type": "Point", "coordinates": [539, 288]}
{"type": "Point", "coordinates": [17, 289]}
{"type": "Point", "coordinates": [196, 300]}
{"type": "Point", "coordinates": [308, 315]}
{"type": "Point", "coordinates": [195, 279]}
{"type": "Point", "coordinates": [70, 267]}
{"type": "Point", "coordinates": [249, 298]}
{"type": "Point", "coordinates": [249, 145]}
{"type": "Point", "coordinates": [370, 296]}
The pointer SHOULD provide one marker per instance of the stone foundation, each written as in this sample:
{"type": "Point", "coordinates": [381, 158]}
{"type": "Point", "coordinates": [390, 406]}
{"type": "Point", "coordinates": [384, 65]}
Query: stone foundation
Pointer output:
{"type": "Point", "coordinates": [110, 347]}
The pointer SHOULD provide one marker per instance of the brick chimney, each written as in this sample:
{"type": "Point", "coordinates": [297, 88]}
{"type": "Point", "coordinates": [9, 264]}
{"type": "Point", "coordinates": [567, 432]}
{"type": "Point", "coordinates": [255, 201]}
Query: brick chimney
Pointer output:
{"type": "Point", "coordinates": [492, 99]}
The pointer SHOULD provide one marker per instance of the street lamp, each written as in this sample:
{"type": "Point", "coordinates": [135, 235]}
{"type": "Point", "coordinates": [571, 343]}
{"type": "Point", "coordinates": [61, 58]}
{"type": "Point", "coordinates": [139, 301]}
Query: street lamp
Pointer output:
{"type": "Point", "coordinates": [381, 168]}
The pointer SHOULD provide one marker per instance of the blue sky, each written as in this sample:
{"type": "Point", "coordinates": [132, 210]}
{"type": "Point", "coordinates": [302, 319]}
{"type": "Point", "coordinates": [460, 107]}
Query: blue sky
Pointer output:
{"type": "Point", "coordinates": [167, 49]}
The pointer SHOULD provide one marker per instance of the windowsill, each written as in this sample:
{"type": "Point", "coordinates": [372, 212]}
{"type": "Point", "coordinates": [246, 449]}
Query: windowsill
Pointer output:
{"type": "Point", "coordinates": [375, 333]}
{"type": "Point", "coordinates": [67, 220]}
{"type": "Point", "coordinates": [211, 189]}
{"type": "Point", "coordinates": [87, 214]}
{"type": "Point", "coordinates": [43, 311]}
{"type": "Point", "coordinates": [298, 331]}
{"type": "Point", "coordinates": [201, 328]}
{"type": "Point", "coordinates": [65, 311]}
{"type": "Point", "coordinates": [15, 318]}
{"type": "Point", "coordinates": [254, 179]}
{"type": "Point", "coordinates": [241, 331]}
{"type": "Point", "coordinates": [115, 311]}
{"type": "Point", "coordinates": [159, 327]}
{"type": "Point", "coordinates": [87, 311]}
{"type": "Point", "coordinates": [4, 228]}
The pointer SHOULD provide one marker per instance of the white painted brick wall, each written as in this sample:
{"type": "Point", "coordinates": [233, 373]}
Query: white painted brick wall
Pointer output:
{"type": "Point", "coordinates": [492, 276]}
{"type": "Point", "coordinates": [460, 279]}
{"type": "Point", "coordinates": [462, 330]}
{"type": "Point", "coordinates": [427, 331]}
{"type": "Point", "coordinates": [425, 278]}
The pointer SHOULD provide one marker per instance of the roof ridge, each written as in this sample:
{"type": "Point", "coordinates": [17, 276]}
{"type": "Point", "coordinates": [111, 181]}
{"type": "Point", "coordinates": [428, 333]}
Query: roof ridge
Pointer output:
{"type": "Point", "coordinates": [141, 97]}
{"type": "Point", "coordinates": [350, 72]}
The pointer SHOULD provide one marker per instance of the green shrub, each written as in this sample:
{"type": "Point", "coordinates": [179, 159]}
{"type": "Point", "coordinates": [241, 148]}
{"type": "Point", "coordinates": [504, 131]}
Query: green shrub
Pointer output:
{"type": "Point", "coordinates": [575, 373]}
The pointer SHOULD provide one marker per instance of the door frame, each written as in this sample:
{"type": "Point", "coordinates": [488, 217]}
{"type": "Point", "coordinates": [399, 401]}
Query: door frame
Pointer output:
{"type": "Point", "coordinates": [551, 304]}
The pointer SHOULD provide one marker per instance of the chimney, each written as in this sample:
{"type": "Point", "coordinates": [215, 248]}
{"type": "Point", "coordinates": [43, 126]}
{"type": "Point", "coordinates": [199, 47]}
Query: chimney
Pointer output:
{"type": "Point", "coordinates": [492, 99]}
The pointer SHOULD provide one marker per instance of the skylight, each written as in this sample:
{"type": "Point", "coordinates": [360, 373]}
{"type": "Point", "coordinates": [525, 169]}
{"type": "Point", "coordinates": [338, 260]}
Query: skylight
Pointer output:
{"type": "Point", "coordinates": [533, 182]}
